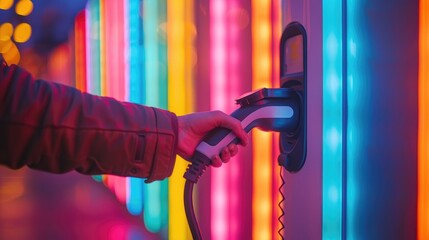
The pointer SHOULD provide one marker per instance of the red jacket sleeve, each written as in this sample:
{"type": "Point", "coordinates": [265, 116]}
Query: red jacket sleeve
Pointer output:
{"type": "Point", "coordinates": [56, 128]}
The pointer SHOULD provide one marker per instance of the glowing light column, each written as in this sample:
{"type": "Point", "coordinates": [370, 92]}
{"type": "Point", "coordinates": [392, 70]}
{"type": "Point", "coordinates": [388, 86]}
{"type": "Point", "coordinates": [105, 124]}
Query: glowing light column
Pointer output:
{"type": "Point", "coordinates": [332, 120]}
{"type": "Point", "coordinates": [155, 95]}
{"type": "Point", "coordinates": [262, 141]}
{"type": "Point", "coordinates": [112, 45]}
{"type": "Point", "coordinates": [135, 78]}
{"type": "Point", "coordinates": [233, 20]}
{"type": "Point", "coordinates": [80, 50]}
{"type": "Point", "coordinates": [355, 91]}
{"type": "Point", "coordinates": [92, 32]}
{"type": "Point", "coordinates": [178, 102]}
{"type": "Point", "coordinates": [218, 78]}
{"type": "Point", "coordinates": [423, 139]}
{"type": "Point", "coordinates": [93, 47]}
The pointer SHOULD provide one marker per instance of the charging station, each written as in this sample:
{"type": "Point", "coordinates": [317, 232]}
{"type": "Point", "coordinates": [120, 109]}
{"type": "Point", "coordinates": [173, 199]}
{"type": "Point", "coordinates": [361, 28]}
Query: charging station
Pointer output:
{"type": "Point", "coordinates": [282, 110]}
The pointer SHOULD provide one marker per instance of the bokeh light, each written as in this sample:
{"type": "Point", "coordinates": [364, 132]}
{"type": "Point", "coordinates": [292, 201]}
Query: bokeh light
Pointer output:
{"type": "Point", "coordinates": [24, 7]}
{"type": "Point", "coordinates": [11, 54]}
{"type": "Point", "coordinates": [6, 31]}
{"type": "Point", "coordinates": [5, 4]}
{"type": "Point", "coordinates": [22, 32]}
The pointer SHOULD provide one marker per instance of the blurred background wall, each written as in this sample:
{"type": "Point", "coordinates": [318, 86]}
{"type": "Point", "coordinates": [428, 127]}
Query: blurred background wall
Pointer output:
{"type": "Point", "coordinates": [366, 171]}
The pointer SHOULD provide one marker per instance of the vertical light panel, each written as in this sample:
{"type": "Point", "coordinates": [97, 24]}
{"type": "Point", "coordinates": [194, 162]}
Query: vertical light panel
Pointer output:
{"type": "Point", "coordinates": [92, 32]}
{"type": "Point", "coordinates": [218, 78]}
{"type": "Point", "coordinates": [112, 45]}
{"type": "Point", "coordinates": [153, 207]}
{"type": "Point", "coordinates": [423, 141]}
{"type": "Point", "coordinates": [177, 91]}
{"type": "Point", "coordinates": [355, 93]}
{"type": "Point", "coordinates": [136, 52]}
{"type": "Point", "coordinates": [332, 119]}
{"type": "Point", "coordinates": [80, 50]}
{"type": "Point", "coordinates": [262, 141]}
{"type": "Point", "coordinates": [114, 49]}
{"type": "Point", "coordinates": [102, 43]}
{"type": "Point", "coordinates": [93, 47]}
{"type": "Point", "coordinates": [135, 78]}
{"type": "Point", "coordinates": [234, 171]}
{"type": "Point", "coordinates": [150, 26]}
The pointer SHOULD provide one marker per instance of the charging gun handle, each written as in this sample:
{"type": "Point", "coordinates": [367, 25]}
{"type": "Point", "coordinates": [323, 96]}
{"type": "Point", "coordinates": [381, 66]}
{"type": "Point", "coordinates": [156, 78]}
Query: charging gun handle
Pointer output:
{"type": "Point", "coordinates": [211, 145]}
{"type": "Point", "coordinates": [219, 138]}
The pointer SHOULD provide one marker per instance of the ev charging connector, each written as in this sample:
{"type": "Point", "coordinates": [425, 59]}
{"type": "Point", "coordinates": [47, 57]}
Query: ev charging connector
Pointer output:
{"type": "Point", "coordinates": [269, 109]}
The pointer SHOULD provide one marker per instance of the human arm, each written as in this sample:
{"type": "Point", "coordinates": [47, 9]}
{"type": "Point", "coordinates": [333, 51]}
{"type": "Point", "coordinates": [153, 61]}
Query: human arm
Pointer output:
{"type": "Point", "coordinates": [56, 128]}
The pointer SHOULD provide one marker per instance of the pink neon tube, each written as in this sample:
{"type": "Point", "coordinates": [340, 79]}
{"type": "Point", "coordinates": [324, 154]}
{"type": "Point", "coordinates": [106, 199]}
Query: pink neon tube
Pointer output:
{"type": "Point", "coordinates": [219, 218]}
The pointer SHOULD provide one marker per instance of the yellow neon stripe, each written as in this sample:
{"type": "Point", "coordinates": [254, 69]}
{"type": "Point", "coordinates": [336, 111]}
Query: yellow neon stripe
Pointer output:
{"type": "Point", "coordinates": [178, 72]}
{"type": "Point", "coordinates": [262, 141]}
{"type": "Point", "coordinates": [423, 141]}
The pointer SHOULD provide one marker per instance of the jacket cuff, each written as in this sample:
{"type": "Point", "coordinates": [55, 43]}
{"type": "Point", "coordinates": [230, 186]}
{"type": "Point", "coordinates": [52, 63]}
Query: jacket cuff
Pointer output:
{"type": "Point", "coordinates": [164, 157]}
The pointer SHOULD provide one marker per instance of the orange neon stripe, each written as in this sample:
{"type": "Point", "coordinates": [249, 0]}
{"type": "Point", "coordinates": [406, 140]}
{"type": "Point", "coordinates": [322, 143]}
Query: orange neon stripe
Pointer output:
{"type": "Point", "coordinates": [423, 141]}
{"type": "Point", "coordinates": [262, 141]}
{"type": "Point", "coordinates": [80, 51]}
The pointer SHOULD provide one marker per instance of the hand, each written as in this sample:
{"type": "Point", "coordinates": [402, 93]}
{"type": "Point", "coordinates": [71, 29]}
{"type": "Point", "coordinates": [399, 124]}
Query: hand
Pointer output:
{"type": "Point", "coordinates": [193, 127]}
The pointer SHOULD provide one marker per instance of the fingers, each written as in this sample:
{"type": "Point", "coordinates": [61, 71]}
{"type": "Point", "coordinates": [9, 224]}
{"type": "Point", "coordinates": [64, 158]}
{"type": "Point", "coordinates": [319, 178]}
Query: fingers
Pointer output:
{"type": "Point", "coordinates": [225, 155]}
{"type": "Point", "coordinates": [233, 124]}
{"type": "Point", "coordinates": [216, 162]}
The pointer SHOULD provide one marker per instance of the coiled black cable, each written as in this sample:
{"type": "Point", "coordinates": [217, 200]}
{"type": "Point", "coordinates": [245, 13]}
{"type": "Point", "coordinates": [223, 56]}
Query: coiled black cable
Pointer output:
{"type": "Point", "coordinates": [282, 213]}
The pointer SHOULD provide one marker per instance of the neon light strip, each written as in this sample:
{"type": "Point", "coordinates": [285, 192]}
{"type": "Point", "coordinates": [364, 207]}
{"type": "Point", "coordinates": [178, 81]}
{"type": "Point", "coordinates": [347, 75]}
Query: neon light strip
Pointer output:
{"type": "Point", "coordinates": [332, 120]}
{"type": "Point", "coordinates": [114, 49]}
{"type": "Point", "coordinates": [218, 77]}
{"type": "Point", "coordinates": [112, 44]}
{"type": "Point", "coordinates": [262, 141]}
{"type": "Point", "coordinates": [93, 47]}
{"type": "Point", "coordinates": [153, 96]}
{"type": "Point", "coordinates": [190, 51]}
{"type": "Point", "coordinates": [150, 26]}
{"type": "Point", "coordinates": [136, 53]}
{"type": "Point", "coordinates": [178, 228]}
{"type": "Point", "coordinates": [234, 167]}
{"type": "Point", "coordinates": [102, 42]}
{"type": "Point", "coordinates": [423, 141]}
{"type": "Point", "coordinates": [126, 49]}
{"type": "Point", "coordinates": [80, 51]}
{"type": "Point", "coordinates": [354, 103]}
{"type": "Point", "coordinates": [163, 98]}
{"type": "Point", "coordinates": [107, 180]}
{"type": "Point", "coordinates": [93, 53]}
{"type": "Point", "coordinates": [135, 78]}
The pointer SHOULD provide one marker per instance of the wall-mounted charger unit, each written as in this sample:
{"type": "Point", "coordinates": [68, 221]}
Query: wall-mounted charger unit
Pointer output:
{"type": "Point", "coordinates": [293, 75]}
